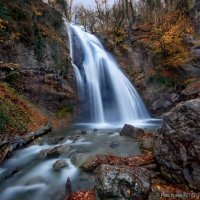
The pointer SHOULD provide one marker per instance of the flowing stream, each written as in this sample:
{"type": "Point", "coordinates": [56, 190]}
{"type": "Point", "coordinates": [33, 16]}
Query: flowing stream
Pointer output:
{"type": "Point", "coordinates": [108, 100]}
{"type": "Point", "coordinates": [28, 175]}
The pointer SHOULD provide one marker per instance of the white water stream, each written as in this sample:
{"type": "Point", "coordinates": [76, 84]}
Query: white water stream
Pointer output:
{"type": "Point", "coordinates": [106, 94]}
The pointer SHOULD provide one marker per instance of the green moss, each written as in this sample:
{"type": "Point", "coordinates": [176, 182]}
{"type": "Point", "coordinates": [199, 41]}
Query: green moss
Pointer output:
{"type": "Point", "coordinates": [13, 116]}
{"type": "Point", "coordinates": [163, 81]}
{"type": "Point", "coordinates": [64, 112]}
{"type": "Point", "coordinates": [4, 120]}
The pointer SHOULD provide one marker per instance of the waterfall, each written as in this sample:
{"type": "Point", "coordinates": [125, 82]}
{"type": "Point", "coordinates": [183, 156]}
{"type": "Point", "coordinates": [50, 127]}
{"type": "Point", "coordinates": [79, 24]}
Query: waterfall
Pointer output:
{"type": "Point", "coordinates": [106, 95]}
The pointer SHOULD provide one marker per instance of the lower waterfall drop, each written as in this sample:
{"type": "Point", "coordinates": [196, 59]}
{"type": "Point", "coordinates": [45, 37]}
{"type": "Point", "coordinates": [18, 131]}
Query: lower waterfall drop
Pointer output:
{"type": "Point", "coordinates": [106, 95]}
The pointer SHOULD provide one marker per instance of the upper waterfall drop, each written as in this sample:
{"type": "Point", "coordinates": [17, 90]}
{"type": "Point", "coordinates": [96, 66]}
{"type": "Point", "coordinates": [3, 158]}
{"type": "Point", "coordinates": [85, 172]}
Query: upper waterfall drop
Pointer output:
{"type": "Point", "coordinates": [106, 94]}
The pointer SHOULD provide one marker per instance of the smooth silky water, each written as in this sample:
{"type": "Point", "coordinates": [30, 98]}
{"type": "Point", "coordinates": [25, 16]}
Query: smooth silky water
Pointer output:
{"type": "Point", "coordinates": [35, 178]}
{"type": "Point", "coordinates": [108, 100]}
{"type": "Point", "coordinates": [106, 95]}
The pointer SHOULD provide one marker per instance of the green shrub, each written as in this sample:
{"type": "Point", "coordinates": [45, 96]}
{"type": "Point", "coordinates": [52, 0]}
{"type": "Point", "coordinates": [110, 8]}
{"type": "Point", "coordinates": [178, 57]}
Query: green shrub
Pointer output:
{"type": "Point", "coordinates": [64, 112]}
{"type": "Point", "coordinates": [4, 120]}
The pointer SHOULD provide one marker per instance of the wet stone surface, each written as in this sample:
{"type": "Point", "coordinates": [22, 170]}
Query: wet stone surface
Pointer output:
{"type": "Point", "coordinates": [122, 182]}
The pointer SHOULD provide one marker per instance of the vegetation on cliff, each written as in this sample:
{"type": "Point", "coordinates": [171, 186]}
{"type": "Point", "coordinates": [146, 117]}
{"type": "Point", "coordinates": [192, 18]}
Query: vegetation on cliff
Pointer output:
{"type": "Point", "coordinates": [157, 44]}
{"type": "Point", "coordinates": [159, 38]}
{"type": "Point", "coordinates": [17, 116]}
{"type": "Point", "coordinates": [34, 61]}
{"type": "Point", "coordinates": [165, 32]}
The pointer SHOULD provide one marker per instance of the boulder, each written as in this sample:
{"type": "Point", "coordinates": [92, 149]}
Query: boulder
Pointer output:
{"type": "Point", "coordinates": [147, 145]}
{"type": "Point", "coordinates": [177, 148]}
{"type": "Point", "coordinates": [131, 131]}
{"type": "Point", "coordinates": [121, 182]}
{"type": "Point", "coordinates": [192, 89]}
{"type": "Point", "coordinates": [59, 164]}
{"type": "Point", "coordinates": [54, 152]}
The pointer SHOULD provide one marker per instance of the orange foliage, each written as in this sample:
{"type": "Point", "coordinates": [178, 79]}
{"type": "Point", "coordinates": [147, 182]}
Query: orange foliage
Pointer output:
{"type": "Point", "coordinates": [83, 195]}
{"type": "Point", "coordinates": [23, 116]}
{"type": "Point", "coordinates": [168, 39]}
{"type": "Point", "coordinates": [2, 23]}
{"type": "Point", "coordinates": [2, 26]}
{"type": "Point", "coordinates": [130, 161]}
{"type": "Point", "coordinates": [12, 36]}
{"type": "Point", "coordinates": [37, 11]}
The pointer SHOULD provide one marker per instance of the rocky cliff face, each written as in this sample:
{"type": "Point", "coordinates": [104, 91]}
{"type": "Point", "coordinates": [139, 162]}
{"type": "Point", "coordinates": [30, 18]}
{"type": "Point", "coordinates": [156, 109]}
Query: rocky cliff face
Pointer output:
{"type": "Point", "coordinates": [41, 51]}
{"type": "Point", "coordinates": [139, 65]}
{"type": "Point", "coordinates": [195, 13]}
{"type": "Point", "coordinates": [161, 84]}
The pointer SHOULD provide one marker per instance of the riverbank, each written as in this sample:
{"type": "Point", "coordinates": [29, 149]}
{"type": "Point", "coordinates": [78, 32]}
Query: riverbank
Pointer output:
{"type": "Point", "coordinates": [107, 164]}
{"type": "Point", "coordinates": [48, 162]}
{"type": "Point", "coordinates": [168, 171]}
{"type": "Point", "coordinates": [19, 117]}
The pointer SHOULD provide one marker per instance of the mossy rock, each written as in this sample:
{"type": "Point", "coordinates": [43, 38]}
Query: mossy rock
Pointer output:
{"type": "Point", "coordinates": [64, 112]}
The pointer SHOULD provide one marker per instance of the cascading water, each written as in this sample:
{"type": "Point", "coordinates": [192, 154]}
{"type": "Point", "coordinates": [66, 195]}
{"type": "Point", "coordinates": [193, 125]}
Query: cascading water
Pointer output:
{"type": "Point", "coordinates": [106, 94]}
{"type": "Point", "coordinates": [107, 97]}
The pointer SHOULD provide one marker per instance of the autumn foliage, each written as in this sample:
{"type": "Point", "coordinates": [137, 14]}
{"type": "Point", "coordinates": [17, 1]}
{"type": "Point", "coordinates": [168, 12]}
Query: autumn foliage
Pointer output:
{"type": "Point", "coordinates": [130, 161]}
{"type": "Point", "coordinates": [168, 39]}
{"type": "Point", "coordinates": [83, 195]}
{"type": "Point", "coordinates": [7, 36]}
{"type": "Point", "coordinates": [17, 116]}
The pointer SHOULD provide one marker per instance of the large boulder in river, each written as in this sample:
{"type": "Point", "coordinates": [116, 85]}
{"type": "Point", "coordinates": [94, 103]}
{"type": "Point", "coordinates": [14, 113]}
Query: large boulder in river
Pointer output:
{"type": "Point", "coordinates": [121, 182]}
{"type": "Point", "coordinates": [131, 131]}
{"type": "Point", "coordinates": [177, 149]}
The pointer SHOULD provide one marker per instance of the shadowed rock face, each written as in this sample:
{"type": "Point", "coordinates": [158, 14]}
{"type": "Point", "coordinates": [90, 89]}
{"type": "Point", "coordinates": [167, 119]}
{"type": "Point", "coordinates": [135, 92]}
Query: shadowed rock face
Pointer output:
{"type": "Point", "coordinates": [45, 73]}
{"type": "Point", "coordinates": [195, 12]}
{"type": "Point", "coordinates": [46, 88]}
{"type": "Point", "coordinates": [177, 149]}
{"type": "Point", "coordinates": [131, 131]}
{"type": "Point", "coordinates": [117, 182]}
